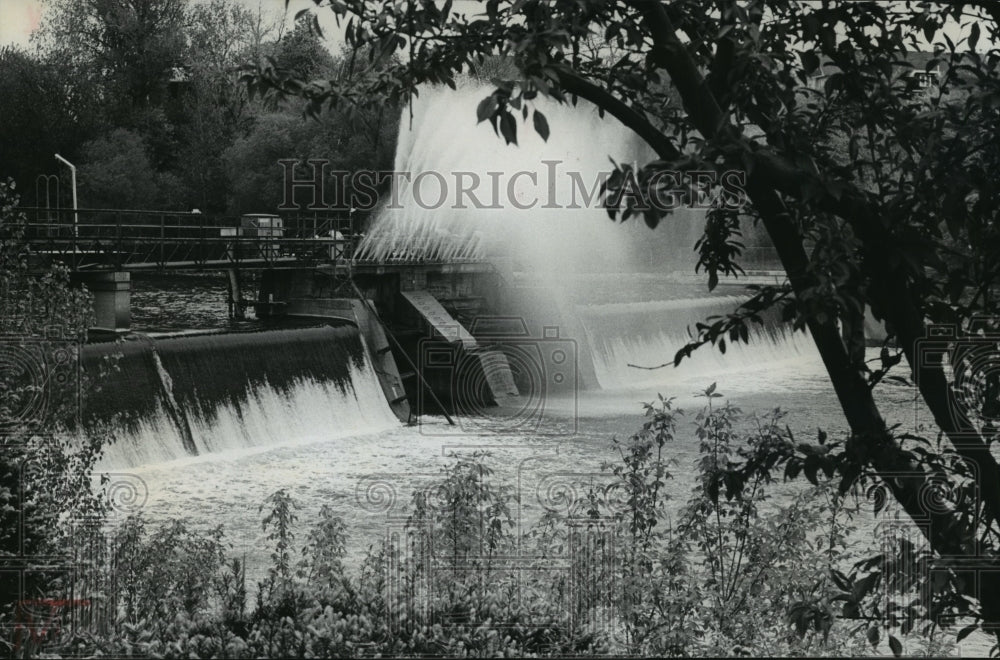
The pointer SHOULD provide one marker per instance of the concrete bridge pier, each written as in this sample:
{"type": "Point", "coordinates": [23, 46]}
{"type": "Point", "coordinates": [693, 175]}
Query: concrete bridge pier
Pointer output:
{"type": "Point", "coordinates": [112, 299]}
{"type": "Point", "coordinates": [235, 295]}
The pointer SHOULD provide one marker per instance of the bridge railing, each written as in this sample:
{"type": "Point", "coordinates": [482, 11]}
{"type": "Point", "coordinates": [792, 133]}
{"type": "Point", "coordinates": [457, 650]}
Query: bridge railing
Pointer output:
{"type": "Point", "coordinates": [133, 239]}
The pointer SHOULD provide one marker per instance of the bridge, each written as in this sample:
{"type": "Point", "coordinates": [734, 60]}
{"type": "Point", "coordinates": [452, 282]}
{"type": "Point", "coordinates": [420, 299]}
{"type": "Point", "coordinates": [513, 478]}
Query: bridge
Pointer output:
{"type": "Point", "coordinates": [115, 240]}
{"type": "Point", "coordinates": [102, 247]}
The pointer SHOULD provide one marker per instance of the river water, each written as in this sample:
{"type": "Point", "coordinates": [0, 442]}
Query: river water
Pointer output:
{"type": "Point", "coordinates": [371, 454]}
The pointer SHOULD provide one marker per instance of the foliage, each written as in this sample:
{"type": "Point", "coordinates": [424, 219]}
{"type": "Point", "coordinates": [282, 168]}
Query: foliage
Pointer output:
{"type": "Point", "coordinates": [48, 106]}
{"type": "Point", "coordinates": [145, 99]}
{"type": "Point", "coordinates": [45, 473]}
{"type": "Point", "coordinates": [132, 44]}
{"type": "Point", "coordinates": [117, 172]}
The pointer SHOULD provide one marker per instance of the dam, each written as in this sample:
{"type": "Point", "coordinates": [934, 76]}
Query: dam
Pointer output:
{"type": "Point", "coordinates": [459, 313]}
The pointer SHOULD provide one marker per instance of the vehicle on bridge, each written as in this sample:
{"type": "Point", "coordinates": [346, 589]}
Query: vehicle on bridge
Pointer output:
{"type": "Point", "coordinates": [266, 228]}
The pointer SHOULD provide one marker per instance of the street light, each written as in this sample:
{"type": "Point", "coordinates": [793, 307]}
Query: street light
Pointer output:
{"type": "Point", "coordinates": [72, 169]}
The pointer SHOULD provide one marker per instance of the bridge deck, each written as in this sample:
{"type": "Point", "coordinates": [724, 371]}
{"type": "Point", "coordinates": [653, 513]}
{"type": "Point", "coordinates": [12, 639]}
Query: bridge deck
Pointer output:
{"type": "Point", "coordinates": [95, 240]}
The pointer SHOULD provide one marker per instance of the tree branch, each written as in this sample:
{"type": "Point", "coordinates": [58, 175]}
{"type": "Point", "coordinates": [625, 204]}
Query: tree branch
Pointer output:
{"type": "Point", "coordinates": [671, 55]}
{"type": "Point", "coordinates": [631, 118]}
{"type": "Point", "coordinates": [725, 51]}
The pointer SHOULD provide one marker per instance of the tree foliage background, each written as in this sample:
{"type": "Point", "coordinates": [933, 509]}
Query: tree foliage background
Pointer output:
{"type": "Point", "coordinates": [145, 98]}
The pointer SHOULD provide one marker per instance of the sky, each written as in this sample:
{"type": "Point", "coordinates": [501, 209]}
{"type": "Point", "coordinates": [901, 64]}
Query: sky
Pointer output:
{"type": "Point", "coordinates": [17, 19]}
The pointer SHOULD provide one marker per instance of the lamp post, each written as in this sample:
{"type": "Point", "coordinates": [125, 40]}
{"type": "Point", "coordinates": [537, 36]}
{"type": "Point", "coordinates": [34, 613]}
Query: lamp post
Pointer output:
{"type": "Point", "coordinates": [72, 169]}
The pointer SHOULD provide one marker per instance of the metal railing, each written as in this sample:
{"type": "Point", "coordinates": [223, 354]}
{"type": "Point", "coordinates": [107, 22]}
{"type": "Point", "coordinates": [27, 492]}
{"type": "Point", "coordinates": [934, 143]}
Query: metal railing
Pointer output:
{"type": "Point", "coordinates": [117, 239]}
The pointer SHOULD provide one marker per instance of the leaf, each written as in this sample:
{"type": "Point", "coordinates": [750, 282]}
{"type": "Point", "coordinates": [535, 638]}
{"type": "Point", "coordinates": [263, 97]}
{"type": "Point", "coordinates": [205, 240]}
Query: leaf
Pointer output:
{"type": "Point", "coordinates": [810, 61]}
{"type": "Point", "coordinates": [974, 36]}
{"type": "Point", "coordinates": [930, 29]}
{"type": "Point", "coordinates": [508, 127]}
{"type": "Point", "coordinates": [966, 631]}
{"type": "Point", "coordinates": [542, 126]}
{"type": "Point", "coordinates": [897, 648]}
{"type": "Point", "coordinates": [486, 108]}
{"type": "Point", "coordinates": [811, 468]}
{"type": "Point", "coordinates": [792, 469]}
{"type": "Point", "coordinates": [840, 579]}
{"type": "Point", "coordinates": [863, 586]}
{"type": "Point", "coordinates": [874, 635]}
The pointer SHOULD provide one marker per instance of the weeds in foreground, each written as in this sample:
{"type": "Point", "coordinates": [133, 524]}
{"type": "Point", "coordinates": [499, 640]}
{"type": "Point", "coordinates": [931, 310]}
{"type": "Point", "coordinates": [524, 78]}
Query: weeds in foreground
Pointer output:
{"type": "Point", "coordinates": [739, 566]}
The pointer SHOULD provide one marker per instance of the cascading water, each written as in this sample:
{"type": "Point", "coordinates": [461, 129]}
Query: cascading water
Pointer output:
{"type": "Point", "coordinates": [555, 244]}
{"type": "Point", "coordinates": [470, 195]}
{"type": "Point", "coordinates": [176, 397]}
{"type": "Point", "coordinates": [649, 334]}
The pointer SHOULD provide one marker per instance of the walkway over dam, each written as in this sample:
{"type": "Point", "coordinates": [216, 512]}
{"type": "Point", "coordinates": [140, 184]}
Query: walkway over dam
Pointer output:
{"type": "Point", "coordinates": [116, 240]}
{"type": "Point", "coordinates": [101, 247]}
{"type": "Point", "coordinates": [304, 266]}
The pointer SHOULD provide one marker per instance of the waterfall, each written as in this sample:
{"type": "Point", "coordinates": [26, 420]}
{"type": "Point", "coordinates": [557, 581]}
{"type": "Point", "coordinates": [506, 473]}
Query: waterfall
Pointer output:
{"type": "Point", "coordinates": [649, 334]}
{"type": "Point", "coordinates": [461, 193]}
{"type": "Point", "coordinates": [169, 398]}
{"type": "Point", "coordinates": [532, 197]}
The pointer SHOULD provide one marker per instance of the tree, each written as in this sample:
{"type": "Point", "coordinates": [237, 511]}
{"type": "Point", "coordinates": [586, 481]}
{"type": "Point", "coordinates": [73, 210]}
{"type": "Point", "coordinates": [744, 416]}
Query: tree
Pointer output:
{"type": "Point", "coordinates": [347, 141]}
{"type": "Point", "coordinates": [256, 182]}
{"type": "Point", "coordinates": [116, 172]}
{"type": "Point", "coordinates": [211, 106]}
{"type": "Point", "coordinates": [134, 44]}
{"type": "Point", "coordinates": [47, 106]}
{"type": "Point", "coordinates": [902, 220]}
{"type": "Point", "coordinates": [302, 54]}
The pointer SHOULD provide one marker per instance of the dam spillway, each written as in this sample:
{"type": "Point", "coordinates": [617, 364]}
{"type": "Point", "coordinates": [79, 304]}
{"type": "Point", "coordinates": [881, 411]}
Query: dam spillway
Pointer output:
{"type": "Point", "coordinates": [167, 398]}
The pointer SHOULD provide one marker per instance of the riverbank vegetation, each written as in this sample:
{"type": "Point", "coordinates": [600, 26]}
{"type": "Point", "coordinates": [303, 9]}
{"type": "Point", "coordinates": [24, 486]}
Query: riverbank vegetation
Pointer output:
{"type": "Point", "coordinates": [612, 565]}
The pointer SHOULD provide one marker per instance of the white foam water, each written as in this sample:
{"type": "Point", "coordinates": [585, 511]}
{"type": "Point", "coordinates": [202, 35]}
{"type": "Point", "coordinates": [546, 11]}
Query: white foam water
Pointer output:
{"type": "Point", "coordinates": [309, 411]}
{"type": "Point", "coordinates": [182, 397]}
{"type": "Point", "coordinates": [627, 340]}
{"type": "Point", "coordinates": [526, 192]}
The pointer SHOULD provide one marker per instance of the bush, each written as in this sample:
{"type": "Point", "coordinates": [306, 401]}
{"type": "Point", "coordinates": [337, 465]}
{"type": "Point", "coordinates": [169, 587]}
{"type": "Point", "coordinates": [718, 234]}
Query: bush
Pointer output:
{"type": "Point", "coordinates": [45, 472]}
